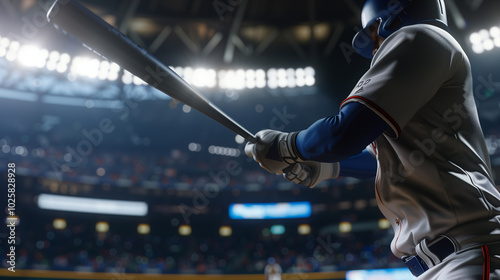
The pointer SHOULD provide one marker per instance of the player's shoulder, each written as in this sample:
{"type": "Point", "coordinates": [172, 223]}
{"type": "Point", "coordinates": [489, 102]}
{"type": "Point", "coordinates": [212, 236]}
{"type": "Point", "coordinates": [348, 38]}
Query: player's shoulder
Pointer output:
{"type": "Point", "coordinates": [426, 33]}
{"type": "Point", "coordinates": [422, 38]}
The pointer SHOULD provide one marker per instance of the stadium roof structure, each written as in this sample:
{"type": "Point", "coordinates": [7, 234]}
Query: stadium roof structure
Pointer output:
{"type": "Point", "coordinates": [289, 33]}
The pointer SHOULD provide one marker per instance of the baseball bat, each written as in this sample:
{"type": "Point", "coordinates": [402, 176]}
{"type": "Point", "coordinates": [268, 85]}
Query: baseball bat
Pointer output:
{"type": "Point", "coordinates": [108, 42]}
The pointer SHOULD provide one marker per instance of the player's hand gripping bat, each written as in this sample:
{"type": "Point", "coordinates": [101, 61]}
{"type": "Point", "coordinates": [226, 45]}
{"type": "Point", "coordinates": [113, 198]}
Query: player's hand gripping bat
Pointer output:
{"type": "Point", "coordinates": [107, 41]}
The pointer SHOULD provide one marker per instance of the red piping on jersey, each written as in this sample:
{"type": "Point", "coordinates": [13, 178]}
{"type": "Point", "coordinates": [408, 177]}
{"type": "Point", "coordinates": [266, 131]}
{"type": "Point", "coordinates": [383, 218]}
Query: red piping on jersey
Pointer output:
{"type": "Point", "coordinates": [397, 238]}
{"type": "Point", "coordinates": [380, 110]}
{"type": "Point", "coordinates": [376, 188]}
{"type": "Point", "coordinates": [376, 176]}
{"type": "Point", "coordinates": [374, 148]}
{"type": "Point", "coordinates": [380, 199]}
{"type": "Point", "coordinates": [486, 264]}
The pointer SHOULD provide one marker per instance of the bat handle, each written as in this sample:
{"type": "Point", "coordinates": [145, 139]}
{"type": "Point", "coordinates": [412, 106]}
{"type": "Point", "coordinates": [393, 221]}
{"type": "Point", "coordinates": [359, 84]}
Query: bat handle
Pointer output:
{"type": "Point", "coordinates": [248, 136]}
{"type": "Point", "coordinates": [251, 139]}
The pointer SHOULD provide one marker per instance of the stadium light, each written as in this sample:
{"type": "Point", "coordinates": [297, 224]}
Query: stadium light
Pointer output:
{"type": "Point", "coordinates": [94, 68]}
{"type": "Point", "coordinates": [239, 139]}
{"type": "Point", "coordinates": [225, 231]}
{"type": "Point", "coordinates": [59, 224]}
{"type": "Point", "coordinates": [485, 39]}
{"type": "Point", "coordinates": [13, 219]}
{"type": "Point", "coordinates": [260, 78]}
{"type": "Point", "coordinates": [223, 151]}
{"type": "Point", "coordinates": [185, 230]}
{"type": "Point", "coordinates": [32, 56]}
{"type": "Point", "coordinates": [233, 79]}
{"type": "Point", "coordinates": [194, 147]}
{"type": "Point", "coordinates": [138, 81]}
{"type": "Point", "coordinates": [62, 64]}
{"type": "Point", "coordinates": [92, 205]}
{"type": "Point", "coordinates": [384, 224]}
{"type": "Point", "coordinates": [85, 67]}
{"type": "Point", "coordinates": [127, 77]}
{"type": "Point", "coordinates": [103, 70]}
{"type": "Point", "coordinates": [202, 77]}
{"type": "Point", "coordinates": [304, 229]}
{"type": "Point", "coordinates": [143, 229]}
{"type": "Point", "coordinates": [12, 51]}
{"type": "Point", "coordinates": [277, 229]}
{"type": "Point", "coordinates": [100, 171]}
{"type": "Point", "coordinates": [114, 70]}
{"type": "Point", "coordinates": [186, 109]}
{"type": "Point", "coordinates": [52, 60]}
{"type": "Point", "coordinates": [4, 44]}
{"type": "Point", "coordinates": [345, 227]}
{"type": "Point", "coordinates": [102, 227]}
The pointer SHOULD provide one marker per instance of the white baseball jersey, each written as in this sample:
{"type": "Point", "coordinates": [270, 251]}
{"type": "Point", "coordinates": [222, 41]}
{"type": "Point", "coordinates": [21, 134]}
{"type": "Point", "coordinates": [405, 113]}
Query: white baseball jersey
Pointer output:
{"type": "Point", "coordinates": [434, 174]}
{"type": "Point", "coordinates": [273, 271]}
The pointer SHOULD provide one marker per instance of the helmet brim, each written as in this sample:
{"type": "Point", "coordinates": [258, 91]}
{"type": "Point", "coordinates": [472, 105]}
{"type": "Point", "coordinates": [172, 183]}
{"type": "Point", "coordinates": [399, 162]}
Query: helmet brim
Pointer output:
{"type": "Point", "coordinates": [362, 41]}
{"type": "Point", "coordinates": [363, 44]}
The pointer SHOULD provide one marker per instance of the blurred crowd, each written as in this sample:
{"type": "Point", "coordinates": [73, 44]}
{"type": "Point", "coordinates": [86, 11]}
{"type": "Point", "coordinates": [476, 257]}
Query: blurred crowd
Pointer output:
{"type": "Point", "coordinates": [80, 248]}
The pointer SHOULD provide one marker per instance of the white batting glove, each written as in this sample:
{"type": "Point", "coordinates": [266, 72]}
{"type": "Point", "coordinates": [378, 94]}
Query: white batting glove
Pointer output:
{"type": "Point", "coordinates": [311, 173]}
{"type": "Point", "coordinates": [274, 150]}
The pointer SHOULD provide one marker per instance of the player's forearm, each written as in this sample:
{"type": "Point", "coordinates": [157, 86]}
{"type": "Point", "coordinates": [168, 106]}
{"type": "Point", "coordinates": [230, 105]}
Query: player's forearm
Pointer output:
{"type": "Point", "coordinates": [340, 137]}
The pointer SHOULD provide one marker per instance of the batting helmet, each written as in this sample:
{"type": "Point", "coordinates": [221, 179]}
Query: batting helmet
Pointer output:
{"type": "Point", "coordinates": [394, 14]}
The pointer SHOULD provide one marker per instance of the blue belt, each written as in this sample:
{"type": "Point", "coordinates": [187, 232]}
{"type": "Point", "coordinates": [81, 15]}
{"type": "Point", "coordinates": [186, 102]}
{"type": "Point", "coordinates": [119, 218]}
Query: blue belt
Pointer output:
{"type": "Point", "coordinates": [441, 248]}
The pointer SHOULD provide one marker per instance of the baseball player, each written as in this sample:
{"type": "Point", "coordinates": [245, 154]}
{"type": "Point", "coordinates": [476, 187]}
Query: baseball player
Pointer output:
{"type": "Point", "coordinates": [413, 116]}
{"type": "Point", "coordinates": [272, 270]}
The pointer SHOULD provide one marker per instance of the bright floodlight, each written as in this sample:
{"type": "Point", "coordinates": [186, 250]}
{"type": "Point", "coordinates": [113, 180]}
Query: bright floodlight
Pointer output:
{"type": "Point", "coordinates": [202, 77]}
{"type": "Point", "coordinates": [488, 44]}
{"type": "Point", "coordinates": [31, 56]}
{"type": "Point", "coordinates": [127, 77]}
{"type": "Point", "coordinates": [478, 48]}
{"type": "Point", "coordinates": [485, 39]}
{"type": "Point", "coordinates": [497, 42]}
{"type": "Point", "coordinates": [188, 74]}
{"type": "Point", "coordinates": [83, 66]}
{"type": "Point", "coordinates": [237, 79]}
{"type": "Point", "coordinates": [12, 51]}
{"type": "Point", "coordinates": [495, 31]}
{"type": "Point", "coordinates": [4, 42]}
{"type": "Point", "coordinates": [475, 38]}
{"type": "Point", "coordinates": [233, 79]}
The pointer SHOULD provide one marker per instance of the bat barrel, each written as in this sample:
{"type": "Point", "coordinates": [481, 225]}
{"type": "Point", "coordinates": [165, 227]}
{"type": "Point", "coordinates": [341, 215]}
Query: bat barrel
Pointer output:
{"type": "Point", "coordinates": [107, 41]}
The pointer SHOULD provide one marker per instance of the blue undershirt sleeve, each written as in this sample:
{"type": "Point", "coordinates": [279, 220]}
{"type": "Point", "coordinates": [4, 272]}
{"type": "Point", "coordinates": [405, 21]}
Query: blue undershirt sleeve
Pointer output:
{"type": "Point", "coordinates": [361, 166]}
{"type": "Point", "coordinates": [340, 137]}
